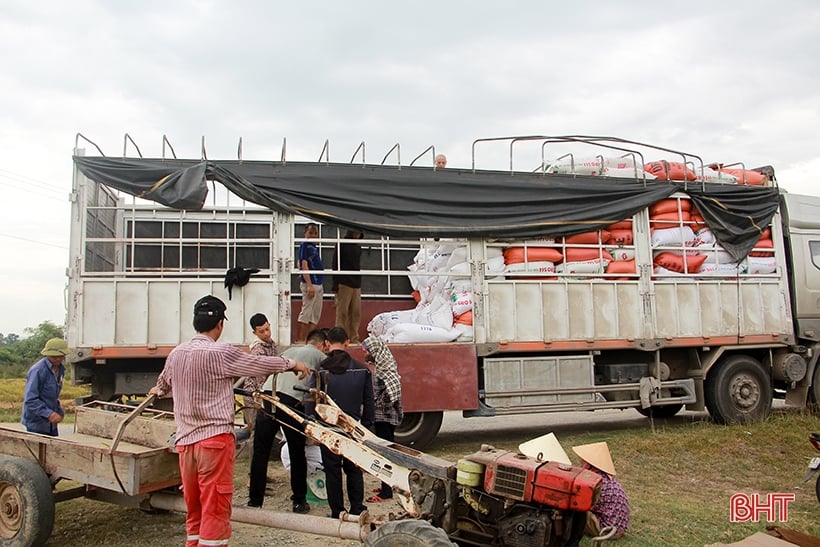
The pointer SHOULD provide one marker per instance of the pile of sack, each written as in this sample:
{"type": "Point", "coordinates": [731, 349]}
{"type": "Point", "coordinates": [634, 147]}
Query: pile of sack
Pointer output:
{"type": "Point", "coordinates": [440, 277]}
{"type": "Point", "coordinates": [627, 167]}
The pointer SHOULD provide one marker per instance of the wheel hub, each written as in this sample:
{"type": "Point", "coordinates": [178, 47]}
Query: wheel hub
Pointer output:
{"type": "Point", "coordinates": [11, 515]}
{"type": "Point", "coordinates": [745, 392]}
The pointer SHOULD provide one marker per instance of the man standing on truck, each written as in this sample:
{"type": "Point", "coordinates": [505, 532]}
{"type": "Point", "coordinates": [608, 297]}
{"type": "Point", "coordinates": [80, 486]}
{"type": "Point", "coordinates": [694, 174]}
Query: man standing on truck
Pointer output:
{"type": "Point", "coordinates": [199, 375]}
{"type": "Point", "coordinates": [310, 283]}
{"type": "Point", "coordinates": [41, 402]}
{"type": "Point", "coordinates": [348, 286]}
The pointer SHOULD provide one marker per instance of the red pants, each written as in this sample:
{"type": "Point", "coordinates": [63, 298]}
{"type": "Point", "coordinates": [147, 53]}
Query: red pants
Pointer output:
{"type": "Point", "coordinates": [207, 484]}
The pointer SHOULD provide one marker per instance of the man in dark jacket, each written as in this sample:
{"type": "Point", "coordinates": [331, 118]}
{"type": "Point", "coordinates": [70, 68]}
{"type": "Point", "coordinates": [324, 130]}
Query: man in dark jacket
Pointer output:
{"type": "Point", "coordinates": [349, 383]}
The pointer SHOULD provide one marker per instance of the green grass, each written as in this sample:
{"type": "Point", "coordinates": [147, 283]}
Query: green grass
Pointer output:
{"type": "Point", "coordinates": [679, 478]}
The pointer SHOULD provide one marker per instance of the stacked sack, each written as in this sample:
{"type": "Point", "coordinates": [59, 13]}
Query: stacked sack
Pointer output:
{"type": "Point", "coordinates": [441, 282]}
{"type": "Point", "coordinates": [621, 249]}
{"type": "Point", "coordinates": [584, 254]}
{"type": "Point", "coordinates": [683, 244]}
{"type": "Point", "coordinates": [535, 258]}
{"type": "Point", "coordinates": [585, 260]}
{"type": "Point", "coordinates": [673, 237]}
{"type": "Point", "coordinates": [666, 170]}
{"type": "Point", "coordinates": [622, 166]}
{"type": "Point", "coordinates": [719, 262]}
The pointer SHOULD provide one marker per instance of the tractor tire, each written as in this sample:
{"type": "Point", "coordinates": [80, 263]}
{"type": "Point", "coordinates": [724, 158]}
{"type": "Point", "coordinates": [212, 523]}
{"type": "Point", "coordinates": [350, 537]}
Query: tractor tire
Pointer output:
{"type": "Point", "coordinates": [418, 429]}
{"type": "Point", "coordinates": [738, 390]}
{"type": "Point", "coordinates": [407, 533]}
{"type": "Point", "coordinates": [26, 503]}
{"type": "Point", "coordinates": [665, 411]}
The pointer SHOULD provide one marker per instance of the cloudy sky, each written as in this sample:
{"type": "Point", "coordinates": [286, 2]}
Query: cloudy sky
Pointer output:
{"type": "Point", "coordinates": [730, 81]}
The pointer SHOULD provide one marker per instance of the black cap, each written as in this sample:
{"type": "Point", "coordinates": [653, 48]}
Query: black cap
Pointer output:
{"type": "Point", "coordinates": [210, 306]}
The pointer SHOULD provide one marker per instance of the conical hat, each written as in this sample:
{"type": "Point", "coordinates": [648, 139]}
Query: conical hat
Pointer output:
{"type": "Point", "coordinates": [596, 455]}
{"type": "Point", "coordinates": [545, 448]}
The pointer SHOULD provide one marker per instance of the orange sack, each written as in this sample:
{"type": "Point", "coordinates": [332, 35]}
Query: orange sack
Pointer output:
{"type": "Point", "coordinates": [586, 238]}
{"type": "Point", "coordinates": [621, 225]}
{"type": "Point", "coordinates": [747, 176]}
{"type": "Point", "coordinates": [621, 237]}
{"type": "Point", "coordinates": [576, 254]}
{"type": "Point", "coordinates": [465, 318]}
{"type": "Point", "coordinates": [674, 262]}
{"type": "Point", "coordinates": [621, 267]}
{"type": "Point", "coordinates": [669, 206]}
{"type": "Point", "coordinates": [666, 170]}
{"type": "Point", "coordinates": [673, 218]}
{"type": "Point", "coordinates": [515, 255]}
{"type": "Point", "coordinates": [763, 244]}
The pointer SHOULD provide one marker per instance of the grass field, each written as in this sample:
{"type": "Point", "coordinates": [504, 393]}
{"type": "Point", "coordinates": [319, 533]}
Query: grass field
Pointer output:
{"type": "Point", "coordinates": [11, 398]}
{"type": "Point", "coordinates": [679, 476]}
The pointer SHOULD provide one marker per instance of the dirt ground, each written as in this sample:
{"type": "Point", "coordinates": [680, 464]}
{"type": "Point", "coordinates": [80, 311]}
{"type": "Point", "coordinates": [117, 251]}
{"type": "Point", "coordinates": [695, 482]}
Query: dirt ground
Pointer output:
{"type": "Point", "coordinates": [277, 498]}
{"type": "Point", "coordinates": [87, 522]}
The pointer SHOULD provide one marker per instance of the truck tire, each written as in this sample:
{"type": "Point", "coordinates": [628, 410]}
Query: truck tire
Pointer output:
{"type": "Point", "coordinates": [407, 533]}
{"type": "Point", "coordinates": [738, 390]}
{"type": "Point", "coordinates": [26, 503]}
{"type": "Point", "coordinates": [418, 429]}
{"type": "Point", "coordinates": [814, 390]}
{"type": "Point", "coordinates": [665, 411]}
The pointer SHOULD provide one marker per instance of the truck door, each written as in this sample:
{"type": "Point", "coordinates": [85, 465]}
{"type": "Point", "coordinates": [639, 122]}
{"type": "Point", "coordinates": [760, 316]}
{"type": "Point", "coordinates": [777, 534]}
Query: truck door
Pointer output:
{"type": "Point", "coordinates": [804, 236]}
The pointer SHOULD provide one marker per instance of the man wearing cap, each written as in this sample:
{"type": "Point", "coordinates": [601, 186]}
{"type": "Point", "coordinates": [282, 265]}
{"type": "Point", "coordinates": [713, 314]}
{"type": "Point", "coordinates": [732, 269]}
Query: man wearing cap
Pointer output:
{"type": "Point", "coordinates": [199, 375]}
{"type": "Point", "coordinates": [44, 382]}
{"type": "Point", "coordinates": [612, 508]}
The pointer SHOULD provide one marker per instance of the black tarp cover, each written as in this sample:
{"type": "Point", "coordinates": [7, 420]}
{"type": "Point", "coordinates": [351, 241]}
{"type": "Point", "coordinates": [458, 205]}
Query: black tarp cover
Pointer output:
{"type": "Point", "coordinates": [414, 202]}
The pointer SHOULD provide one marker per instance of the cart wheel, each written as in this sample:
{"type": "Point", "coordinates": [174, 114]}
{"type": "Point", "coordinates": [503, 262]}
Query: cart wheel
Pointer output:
{"type": "Point", "coordinates": [407, 533]}
{"type": "Point", "coordinates": [26, 503]}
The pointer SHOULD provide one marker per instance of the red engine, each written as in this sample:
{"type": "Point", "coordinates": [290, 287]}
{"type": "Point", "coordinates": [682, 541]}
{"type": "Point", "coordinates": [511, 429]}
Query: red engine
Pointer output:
{"type": "Point", "coordinates": [519, 477]}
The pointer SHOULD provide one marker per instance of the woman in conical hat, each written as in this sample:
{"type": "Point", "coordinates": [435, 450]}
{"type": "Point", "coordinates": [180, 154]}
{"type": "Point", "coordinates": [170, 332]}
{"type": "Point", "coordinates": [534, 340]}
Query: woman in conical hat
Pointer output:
{"type": "Point", "coordinates": [597, 455]}
{"type": "Point", "coordinates": [612, 508]}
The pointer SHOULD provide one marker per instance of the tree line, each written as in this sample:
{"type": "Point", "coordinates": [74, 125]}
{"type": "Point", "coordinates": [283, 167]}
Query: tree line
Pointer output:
{"type": "Point", "coordinates": [18, 354]}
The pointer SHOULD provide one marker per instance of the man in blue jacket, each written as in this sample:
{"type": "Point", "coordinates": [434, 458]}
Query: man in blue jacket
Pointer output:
{"type": "Point", "coordinates": [350, 384]}
{"type": "Point", "coordinates": [44, 382]}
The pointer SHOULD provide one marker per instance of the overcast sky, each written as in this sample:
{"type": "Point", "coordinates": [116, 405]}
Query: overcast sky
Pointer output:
{"type": "Point", "coordinates": [730, 81]}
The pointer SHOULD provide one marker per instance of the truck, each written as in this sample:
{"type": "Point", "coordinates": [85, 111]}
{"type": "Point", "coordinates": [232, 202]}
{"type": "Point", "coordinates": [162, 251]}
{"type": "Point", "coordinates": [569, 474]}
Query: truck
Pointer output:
{"type": "Point", "coordinates": [586, 283]}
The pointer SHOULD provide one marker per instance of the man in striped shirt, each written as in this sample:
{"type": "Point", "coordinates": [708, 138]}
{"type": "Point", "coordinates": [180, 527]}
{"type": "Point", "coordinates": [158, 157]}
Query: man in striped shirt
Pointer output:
{"type": "Point", "coordinates": [199, 375]}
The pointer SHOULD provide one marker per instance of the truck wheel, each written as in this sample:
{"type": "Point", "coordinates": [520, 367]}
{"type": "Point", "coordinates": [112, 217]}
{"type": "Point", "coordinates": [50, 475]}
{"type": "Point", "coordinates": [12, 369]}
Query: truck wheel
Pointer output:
{"type": "Point", "coordinates": [665, 411]}
{"type": "Point", "coordinates": [814, 389]}
{"type": "Point", "coordinates": [418, 429]}
{"type": "Point", "coordinates": [407, 533]}
{"type": "Point", "coordinates": [26, 503]}
{"type": "Point", "coordinates": [738, 390]}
